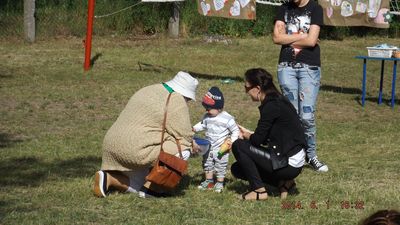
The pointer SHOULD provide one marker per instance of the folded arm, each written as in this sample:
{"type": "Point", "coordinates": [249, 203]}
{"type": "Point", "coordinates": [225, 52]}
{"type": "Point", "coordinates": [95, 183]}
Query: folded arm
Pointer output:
{"type": "Point", "coordinates": [311, 38]}
{"type": "Point", "coordinates": [280, 36]}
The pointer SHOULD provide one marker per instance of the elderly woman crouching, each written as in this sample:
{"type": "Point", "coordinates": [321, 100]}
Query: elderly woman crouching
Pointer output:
{"type": "Point", "coordinates": [132, 144]}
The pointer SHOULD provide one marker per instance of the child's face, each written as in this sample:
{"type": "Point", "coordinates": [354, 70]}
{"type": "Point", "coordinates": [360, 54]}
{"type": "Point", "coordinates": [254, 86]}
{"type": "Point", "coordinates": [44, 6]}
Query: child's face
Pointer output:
{"type": "Point", "coordinates": [213, 112]}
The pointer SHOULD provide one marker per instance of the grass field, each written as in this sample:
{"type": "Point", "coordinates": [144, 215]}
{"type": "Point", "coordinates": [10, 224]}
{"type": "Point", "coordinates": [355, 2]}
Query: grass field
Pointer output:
{"type": "Point", "coordinates": [53, 117]}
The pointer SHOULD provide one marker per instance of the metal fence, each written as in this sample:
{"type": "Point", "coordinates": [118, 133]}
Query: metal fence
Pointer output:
{"type": "Point", "coordinates": [69, 17]}
{"type": "Point", "coordinates": [50, 21]}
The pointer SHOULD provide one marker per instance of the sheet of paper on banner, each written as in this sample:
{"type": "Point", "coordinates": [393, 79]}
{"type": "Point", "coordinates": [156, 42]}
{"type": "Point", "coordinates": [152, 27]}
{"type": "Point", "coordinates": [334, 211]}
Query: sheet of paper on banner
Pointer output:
{"type": "Point", "coordinates": [236, 9]}
{"type": "Point", "coordinates": [370, 13]}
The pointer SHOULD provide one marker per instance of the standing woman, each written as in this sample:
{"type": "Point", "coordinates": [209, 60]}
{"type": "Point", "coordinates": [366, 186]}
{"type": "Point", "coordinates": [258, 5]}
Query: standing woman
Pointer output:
{"type": "Point", "coordinates": [297, 27]}
{"type": "Point", "coordinates": [274, 153]}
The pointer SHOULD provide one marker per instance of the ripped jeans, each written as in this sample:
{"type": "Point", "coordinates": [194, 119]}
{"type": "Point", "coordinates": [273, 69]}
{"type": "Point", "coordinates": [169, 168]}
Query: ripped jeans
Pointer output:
{"type": "Point", "coordinates": [300, 84]}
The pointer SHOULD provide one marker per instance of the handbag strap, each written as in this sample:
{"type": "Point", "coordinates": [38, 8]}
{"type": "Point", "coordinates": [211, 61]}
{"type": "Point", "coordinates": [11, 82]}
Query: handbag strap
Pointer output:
{"type": "Point", "coordinates": [163, 129]}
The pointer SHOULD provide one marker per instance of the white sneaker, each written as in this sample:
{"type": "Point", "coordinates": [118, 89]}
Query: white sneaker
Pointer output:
{"type": "Point", "coordinates": [318, 165]}
{"type": "Point", "coordinates": [218, 187]}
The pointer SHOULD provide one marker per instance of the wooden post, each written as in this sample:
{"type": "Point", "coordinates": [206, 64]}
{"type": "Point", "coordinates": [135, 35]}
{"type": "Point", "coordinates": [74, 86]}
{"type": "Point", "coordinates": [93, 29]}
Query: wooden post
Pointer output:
{"type": "Point", "coordinates": [29, 20]}
{"type": "Point", "coordinates": [89, 31]}
{"type": "Point", "coordinates": [173, 24]}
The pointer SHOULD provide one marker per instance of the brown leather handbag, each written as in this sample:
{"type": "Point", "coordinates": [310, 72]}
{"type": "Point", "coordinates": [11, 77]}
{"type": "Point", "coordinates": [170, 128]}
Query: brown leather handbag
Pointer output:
{"type": "Point", "coordinates": [168, 169]}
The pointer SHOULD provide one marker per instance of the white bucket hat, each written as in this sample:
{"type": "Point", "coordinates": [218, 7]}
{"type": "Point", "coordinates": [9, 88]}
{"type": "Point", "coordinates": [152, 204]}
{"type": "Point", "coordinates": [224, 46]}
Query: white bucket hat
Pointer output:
{"type": "Point", "coordinates": [184, 84]}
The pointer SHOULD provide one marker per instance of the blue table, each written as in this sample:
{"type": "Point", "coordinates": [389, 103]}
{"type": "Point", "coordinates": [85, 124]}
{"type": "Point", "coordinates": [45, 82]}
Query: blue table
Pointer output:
{"type": "Point", "coordinates": [365, 58]}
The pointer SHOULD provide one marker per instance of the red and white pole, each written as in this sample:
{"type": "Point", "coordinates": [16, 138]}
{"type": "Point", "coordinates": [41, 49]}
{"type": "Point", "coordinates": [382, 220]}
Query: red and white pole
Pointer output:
{"type": "Point", "coordinates": [89, 31]}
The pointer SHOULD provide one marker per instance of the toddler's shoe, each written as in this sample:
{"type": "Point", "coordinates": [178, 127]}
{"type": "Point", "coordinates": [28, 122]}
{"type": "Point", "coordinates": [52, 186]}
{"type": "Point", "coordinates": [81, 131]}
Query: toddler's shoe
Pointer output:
{"type": "Point", "coordinates": [218, 187]}
{"type": "Point", "coordinates": [206, 185]}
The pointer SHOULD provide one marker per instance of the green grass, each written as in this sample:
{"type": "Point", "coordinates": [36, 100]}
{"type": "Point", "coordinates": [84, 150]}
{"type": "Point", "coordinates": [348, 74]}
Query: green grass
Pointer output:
{"type": "Point", "coordinates": [53, 117]}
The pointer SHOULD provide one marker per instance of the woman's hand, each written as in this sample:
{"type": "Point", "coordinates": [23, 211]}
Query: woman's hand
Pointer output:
{"type": "Point", "coordinates": [244, 133]}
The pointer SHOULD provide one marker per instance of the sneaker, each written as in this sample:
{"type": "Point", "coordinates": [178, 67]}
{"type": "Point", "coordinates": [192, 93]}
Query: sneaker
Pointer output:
{"type": "Point", "coordinates": [318, 165]}
{"type": "Point", "coordinates": [218, 187]}
{"type": "Point", "coordinates": [206, 185]}
{"type": "Point", "coordinates": [100, 184]}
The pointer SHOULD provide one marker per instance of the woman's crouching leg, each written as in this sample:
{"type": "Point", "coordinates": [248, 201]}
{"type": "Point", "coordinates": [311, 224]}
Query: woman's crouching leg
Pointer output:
{"type": "Point", "coordinates": [137, 179]}
{"type": "Point", "coordinates": [246, 166]}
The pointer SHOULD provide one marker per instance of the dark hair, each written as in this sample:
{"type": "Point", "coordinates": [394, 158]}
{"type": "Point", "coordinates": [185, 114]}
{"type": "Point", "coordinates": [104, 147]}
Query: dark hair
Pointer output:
{"type": "Point", "coordinates": [261, 77]}
{"type": "Point", "coordinates": [383, 217]}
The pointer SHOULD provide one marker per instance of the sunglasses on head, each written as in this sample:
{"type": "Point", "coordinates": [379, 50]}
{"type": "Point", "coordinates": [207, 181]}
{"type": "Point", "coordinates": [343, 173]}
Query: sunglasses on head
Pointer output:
{"type": "Point", "coordinates": [248, 88]}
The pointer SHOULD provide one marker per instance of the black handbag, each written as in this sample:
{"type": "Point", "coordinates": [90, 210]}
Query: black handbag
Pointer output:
{"type": "Point", "coordinates": [278, 161]}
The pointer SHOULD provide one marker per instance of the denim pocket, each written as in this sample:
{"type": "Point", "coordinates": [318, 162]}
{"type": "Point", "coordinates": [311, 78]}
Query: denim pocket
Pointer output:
{"type": "Point", "coordinates": [314, 72]}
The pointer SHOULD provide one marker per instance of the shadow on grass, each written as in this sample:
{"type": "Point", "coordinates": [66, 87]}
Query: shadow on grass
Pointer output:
{"type": "Point", "coordinates": [6, 73]}
{"type": "Point", "coordinates": [32, 171]}
{"type": "Point", "coordinates": [231, 184]}
{"type": "Point", "coordinates": [7, 140]}
{"type": "Point", "coordinates": [159, 69]}
{"type": "Point", "coordinates": [95, 58]}
{"type": "Point", "coordinates": [374, 100]}
{"type": "Point", "coordinates": [3, 211]}
{"type": "Point", "coordinates": [197, 178]}
{"type": "Point", "coordinates": [4, 76]}
{"type": "Point", "coordinates": [344, 90]}
{"type": "Point", "coordinates": [347, 90]}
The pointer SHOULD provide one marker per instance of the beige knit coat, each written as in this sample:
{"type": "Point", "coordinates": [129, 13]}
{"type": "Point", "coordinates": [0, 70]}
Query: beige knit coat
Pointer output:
{"type": "Point", "coordinates": [133, 141]}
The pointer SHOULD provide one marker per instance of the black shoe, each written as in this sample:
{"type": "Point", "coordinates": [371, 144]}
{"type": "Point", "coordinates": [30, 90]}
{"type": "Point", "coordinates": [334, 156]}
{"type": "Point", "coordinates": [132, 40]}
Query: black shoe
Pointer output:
{"type": "Point", "coordinates": [318, 165]}
{"type": "Point", "coordinates": [147, 193]}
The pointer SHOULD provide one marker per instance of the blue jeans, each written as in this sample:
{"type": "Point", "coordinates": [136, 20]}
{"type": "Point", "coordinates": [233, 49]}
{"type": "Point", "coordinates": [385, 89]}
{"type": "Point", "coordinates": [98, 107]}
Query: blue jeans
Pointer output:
{"type": "Point", "coordinates": [300, 84]}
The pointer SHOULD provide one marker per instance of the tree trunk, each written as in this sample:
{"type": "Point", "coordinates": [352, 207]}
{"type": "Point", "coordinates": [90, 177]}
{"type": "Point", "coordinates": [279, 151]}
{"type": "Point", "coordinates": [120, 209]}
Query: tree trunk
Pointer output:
{"type": "Point", "coordinates": [173, 24]}
{"type": "Point", "coordinates": [29, 20]}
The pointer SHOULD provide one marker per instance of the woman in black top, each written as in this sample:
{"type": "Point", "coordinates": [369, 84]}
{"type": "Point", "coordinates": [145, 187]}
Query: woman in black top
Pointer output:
{"type": "Point", "coordinates": [274, 153]}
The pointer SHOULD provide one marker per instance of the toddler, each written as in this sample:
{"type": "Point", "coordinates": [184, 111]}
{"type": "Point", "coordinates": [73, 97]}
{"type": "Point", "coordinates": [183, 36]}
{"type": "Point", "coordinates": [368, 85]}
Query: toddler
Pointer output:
{"type": "Point", "coordinates": [219, 126]}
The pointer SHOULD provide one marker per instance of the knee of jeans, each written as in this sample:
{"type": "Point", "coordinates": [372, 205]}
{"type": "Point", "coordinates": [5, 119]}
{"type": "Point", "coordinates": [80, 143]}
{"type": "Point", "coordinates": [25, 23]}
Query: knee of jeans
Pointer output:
{"type": "Point", "coordinates": [307, 112]}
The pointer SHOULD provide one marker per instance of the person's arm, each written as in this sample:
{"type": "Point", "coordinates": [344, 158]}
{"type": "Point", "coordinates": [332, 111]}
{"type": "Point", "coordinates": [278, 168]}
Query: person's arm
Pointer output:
{"type": "Point", "coordinates": [200, 126]}
{"type": "Point", "coordinates": [310, 40]}
{"type": "Point", "coordinates": [280, 36]}
{"type": "Point", "coordinates": [244, 133]}
{"type": "Point", "coordinates": [234, 129]}
{"type": "Point", "coordinates": [317, 20]}
{"type": "Point", "coordinates": [269, 114]}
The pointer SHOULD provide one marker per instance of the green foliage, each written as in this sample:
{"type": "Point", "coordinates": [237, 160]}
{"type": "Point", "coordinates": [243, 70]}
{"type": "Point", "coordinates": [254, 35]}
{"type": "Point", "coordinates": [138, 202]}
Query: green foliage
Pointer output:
{"type": "Point", "coordinates": [264, 23]}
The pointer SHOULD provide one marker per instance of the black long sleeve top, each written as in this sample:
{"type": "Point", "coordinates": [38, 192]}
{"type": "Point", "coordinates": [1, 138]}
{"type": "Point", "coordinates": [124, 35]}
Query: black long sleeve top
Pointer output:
{"type": "Point", "coordinates": [279, 127]}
